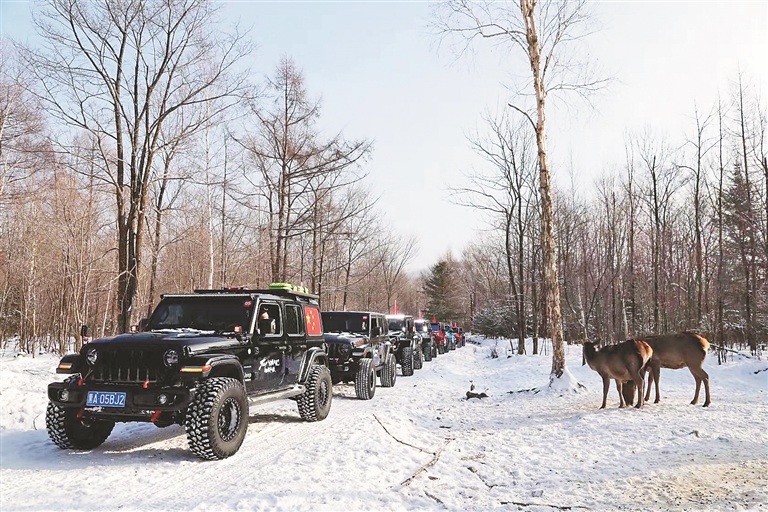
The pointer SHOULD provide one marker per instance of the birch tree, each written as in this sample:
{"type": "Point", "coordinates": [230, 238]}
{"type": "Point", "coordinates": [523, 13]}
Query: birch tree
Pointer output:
{"type": "Point", "coordinates": [545, 33]}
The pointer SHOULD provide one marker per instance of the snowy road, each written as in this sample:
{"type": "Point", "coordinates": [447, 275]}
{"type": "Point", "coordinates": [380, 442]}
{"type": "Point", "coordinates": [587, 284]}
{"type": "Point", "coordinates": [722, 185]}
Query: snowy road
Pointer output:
{"type": "Point", "coordinates": [535, 451]}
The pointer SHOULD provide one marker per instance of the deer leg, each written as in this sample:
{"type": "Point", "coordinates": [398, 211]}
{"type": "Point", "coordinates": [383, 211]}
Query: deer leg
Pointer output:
{"type": "Point", "coordinates": [700, 375]}
{"type": "Point", "coordinates": [650, 381]}
{"type": "Point", "coordinates": [698, 387]}
{"type": "Point", "coordinates": [619, 384]}
{"type": "Point", "coordinates": [637, 379]}
{"type": "Point", "coordinates": [606, 385]}
{"type": "Point", "coordinates": [656, 373]}
{"type": "Point", "coordinates": [628, 390]}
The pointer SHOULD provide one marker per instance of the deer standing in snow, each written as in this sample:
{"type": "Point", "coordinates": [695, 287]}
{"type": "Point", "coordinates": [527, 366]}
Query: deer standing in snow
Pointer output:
{"type": "Point", "coordinates": [622, 362]}
{"type": "Point", "coordinates": [675, 351]}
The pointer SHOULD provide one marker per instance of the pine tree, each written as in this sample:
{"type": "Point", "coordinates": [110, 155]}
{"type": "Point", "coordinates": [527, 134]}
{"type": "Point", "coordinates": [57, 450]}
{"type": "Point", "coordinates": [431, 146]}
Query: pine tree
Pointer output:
{"type": "Point", "coordinates": [438, 286]}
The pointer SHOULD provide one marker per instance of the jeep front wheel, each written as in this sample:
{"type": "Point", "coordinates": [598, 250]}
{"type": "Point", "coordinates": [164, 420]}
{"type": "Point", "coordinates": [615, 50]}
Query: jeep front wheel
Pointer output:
{"type": "Point", "coordinates": [217, 418]}
{"type": "Point", "coordinates": [406, 363]}
{"type": "Point", "coordinates": [66, 430]}
{"type": "Point", "coordinates": [428, 352]}
{"type": "Point", "coordinates": [365, 380]}
{"type": "Point", "coordinates": [315, 403]}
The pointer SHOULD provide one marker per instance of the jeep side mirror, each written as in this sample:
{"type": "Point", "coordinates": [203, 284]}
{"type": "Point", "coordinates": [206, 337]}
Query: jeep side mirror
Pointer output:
{"type": "Point", "coordinates": [83, 331]}
{"type": "Point", "coordinates": [267, 326]}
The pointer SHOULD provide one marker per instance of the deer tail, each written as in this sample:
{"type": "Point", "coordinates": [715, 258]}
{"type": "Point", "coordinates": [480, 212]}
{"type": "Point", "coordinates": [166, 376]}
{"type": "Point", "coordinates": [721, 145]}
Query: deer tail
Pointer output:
{"type": "Point", "coordinates": [701, 339]}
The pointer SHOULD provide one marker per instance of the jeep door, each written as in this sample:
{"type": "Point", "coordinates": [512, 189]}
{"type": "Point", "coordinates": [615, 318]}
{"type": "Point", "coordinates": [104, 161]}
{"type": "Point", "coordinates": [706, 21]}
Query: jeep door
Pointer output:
{"type": "Point", "coordinates": [296, 341]}
{"type": "Point", "coordinates": [267, 366]}
{"type": "Point", "coordinates": [379, 329]}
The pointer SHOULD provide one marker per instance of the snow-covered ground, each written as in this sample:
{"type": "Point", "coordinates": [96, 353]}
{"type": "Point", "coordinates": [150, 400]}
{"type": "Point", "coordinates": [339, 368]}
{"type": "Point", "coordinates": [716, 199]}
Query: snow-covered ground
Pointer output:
{"type": "Point", "coordinates": [513, 450]}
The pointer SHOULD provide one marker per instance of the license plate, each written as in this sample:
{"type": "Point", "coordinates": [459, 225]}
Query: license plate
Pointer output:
{"type": "Point", "coordinates": [105, 399]}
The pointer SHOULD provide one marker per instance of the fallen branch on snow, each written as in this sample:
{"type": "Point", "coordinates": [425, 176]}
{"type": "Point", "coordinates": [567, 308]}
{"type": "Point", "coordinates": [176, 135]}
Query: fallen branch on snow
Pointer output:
{"type": "Point", "coordinates": [737, 352]}
{"type": "Point", "coordinates": [520, 503]}
{"type": "Point", "coordinates": [434, 460]}
{"type": "Point", "coordinates": [532, 390]}
{"type": "Point", "coordinates": [399, 441]}
{"type": "Point", "coordinates": [470, 394]}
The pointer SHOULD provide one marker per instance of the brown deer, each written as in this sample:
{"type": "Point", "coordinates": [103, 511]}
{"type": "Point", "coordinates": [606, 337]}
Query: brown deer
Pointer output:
{"type": "Point", "coordinates": [675, 351]}
{"type": "Point", "coordinates": [622, 362]}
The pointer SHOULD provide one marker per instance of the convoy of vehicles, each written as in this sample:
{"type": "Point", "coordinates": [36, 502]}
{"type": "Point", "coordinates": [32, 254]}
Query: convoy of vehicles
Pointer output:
{"type": "Point", "coordinates": [202, 359]}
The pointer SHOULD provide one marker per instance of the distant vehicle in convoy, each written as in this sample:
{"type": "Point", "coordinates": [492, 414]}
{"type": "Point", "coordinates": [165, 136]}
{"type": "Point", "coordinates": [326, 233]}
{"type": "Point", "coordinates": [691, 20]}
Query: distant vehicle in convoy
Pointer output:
{"type": "Point", "coordinates": [359, 349]}
{"type": "Point", "coordinates": [406, 346]}
{"type": "Point", "coordinates": [450, 340]}
{"type": "Point", "coordinates": [424, 334]}
{"type": "Point", "coordinates": [458, 334]}
{"type": "Point", "coordinates": [201, 361]}
{"type": "Point", "coordinates": [438, 334]}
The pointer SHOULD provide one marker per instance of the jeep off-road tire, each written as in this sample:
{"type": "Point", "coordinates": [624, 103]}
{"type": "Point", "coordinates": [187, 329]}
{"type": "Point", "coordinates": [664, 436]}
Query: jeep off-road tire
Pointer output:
{"type": "Point", "coordinates": [407, 362]}
{"type": "Point", "coordinates": [217, 418]}
{"type": "Point", "coordinates": [66, 430]}
{"type": "Point", "coordinates": [428, 353]}
{"type": "Point", "coordinates": [315, 403]}
{"type": "Point", "coordinates": [365, 380]}
{"type": "Point", "coordinates": [418, 359]}
{"type": "Point", "coordinates": [389, 372]}
{"type": "Point", "coordinates": [441, 349]}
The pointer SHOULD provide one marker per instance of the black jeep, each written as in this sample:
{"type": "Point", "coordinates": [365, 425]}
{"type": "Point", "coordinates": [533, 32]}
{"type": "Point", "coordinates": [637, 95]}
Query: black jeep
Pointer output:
{"type": "Point", "coordinates": [406, 346]}
{"type": "Point", "coordinates": [424, 333]}
{"type": "Point", "coordinates": [359, 350]}
{"type": "Point", "coordinates": [200, 361]}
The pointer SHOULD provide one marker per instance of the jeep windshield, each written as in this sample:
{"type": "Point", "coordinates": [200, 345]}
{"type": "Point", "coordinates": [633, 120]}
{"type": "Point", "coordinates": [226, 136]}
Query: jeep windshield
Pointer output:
{"type": "Point", "coordinates": [422, 326]}
{"type": "Point", "coordinates": [218, 314]}
{"type": "Point", "coordinates": [357, 323]}
{"type": "Point", "coordinates": [396, 325]}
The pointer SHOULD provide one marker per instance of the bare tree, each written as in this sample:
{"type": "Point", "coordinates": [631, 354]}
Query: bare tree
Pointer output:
{"type": "Point", "coordinates": [396, 252]}
{"type": "Point", "coordinates": [543, 31]}
{"type": "Point", "coordinates": [505, 192]}
{"type": "Point", "coordinates": [23, 137]}
{"type": "Point", "coordinates": [289, 155]}
{"type": "Point", "coordinates": [120, 71]}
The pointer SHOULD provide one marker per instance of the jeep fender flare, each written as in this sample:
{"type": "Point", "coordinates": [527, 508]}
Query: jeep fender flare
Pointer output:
{"type": "Point", "coordinates": [223, 365]}
{"type": "Point", "coordinates": [69, 364]}
{"type": "Point", "coordinates": [314, 355]}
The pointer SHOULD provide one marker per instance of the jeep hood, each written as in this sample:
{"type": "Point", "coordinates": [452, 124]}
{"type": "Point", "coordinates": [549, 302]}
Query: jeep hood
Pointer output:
{"type": "Point", "coordinates": [194, 341]}
{"type": "Point", "coordinates": [345, 337]}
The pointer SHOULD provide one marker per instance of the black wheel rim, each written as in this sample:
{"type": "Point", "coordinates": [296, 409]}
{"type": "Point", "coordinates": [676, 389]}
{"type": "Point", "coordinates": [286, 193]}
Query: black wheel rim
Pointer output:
{"type": "Point", "coordinates": [229, 419]}
{"type": "Point", "coordinates": [322, 393]}
{"type": "Point", "coordinates": [372, 380]}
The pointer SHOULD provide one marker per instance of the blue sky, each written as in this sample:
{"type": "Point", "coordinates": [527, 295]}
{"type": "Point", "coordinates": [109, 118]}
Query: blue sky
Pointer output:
{"type": "Point", "coordinates": [381, 76]}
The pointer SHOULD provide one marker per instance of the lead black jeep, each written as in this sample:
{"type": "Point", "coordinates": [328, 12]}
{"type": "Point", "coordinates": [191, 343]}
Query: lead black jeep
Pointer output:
{"type": "Point", "coordinates": [407, 347]}
{"type": "Point", "coordinates": [200, 361]}
{"type": "Point", "coordinates": [359, 350]}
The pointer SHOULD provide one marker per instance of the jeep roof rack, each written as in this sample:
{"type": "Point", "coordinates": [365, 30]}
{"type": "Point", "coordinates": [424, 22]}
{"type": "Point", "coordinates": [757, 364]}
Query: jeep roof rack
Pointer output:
{"type": "Point", "coordinates": [282, 289]}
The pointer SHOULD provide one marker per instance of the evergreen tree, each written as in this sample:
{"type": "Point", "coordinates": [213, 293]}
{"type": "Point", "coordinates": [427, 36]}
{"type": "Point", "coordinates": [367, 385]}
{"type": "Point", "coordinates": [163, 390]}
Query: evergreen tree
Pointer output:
{"type": "Point", "coordinates": [438, 286]}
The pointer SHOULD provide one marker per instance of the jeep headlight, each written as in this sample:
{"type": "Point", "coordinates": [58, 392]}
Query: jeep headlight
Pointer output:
{"type": "Point", "coordinates": [91, 356]}
{"type": "Point", "coordinates": [171, 358]}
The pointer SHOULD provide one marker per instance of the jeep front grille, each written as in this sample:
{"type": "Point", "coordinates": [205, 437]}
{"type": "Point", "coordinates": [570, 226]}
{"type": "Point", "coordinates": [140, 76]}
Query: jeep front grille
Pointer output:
{"type": "Point", "coordinates": [129, 365]}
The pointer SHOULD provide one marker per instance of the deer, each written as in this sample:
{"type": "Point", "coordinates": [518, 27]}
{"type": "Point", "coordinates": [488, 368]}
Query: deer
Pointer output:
{"type": "Point", "coordinates": [675, 351]}
{"type": "Point", "coordinates": [625, 361]}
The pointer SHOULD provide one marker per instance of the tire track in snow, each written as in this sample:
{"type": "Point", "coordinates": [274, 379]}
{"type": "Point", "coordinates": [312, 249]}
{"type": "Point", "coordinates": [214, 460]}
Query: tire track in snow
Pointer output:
{"type": "Point", "coordinates": [258, 451]}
